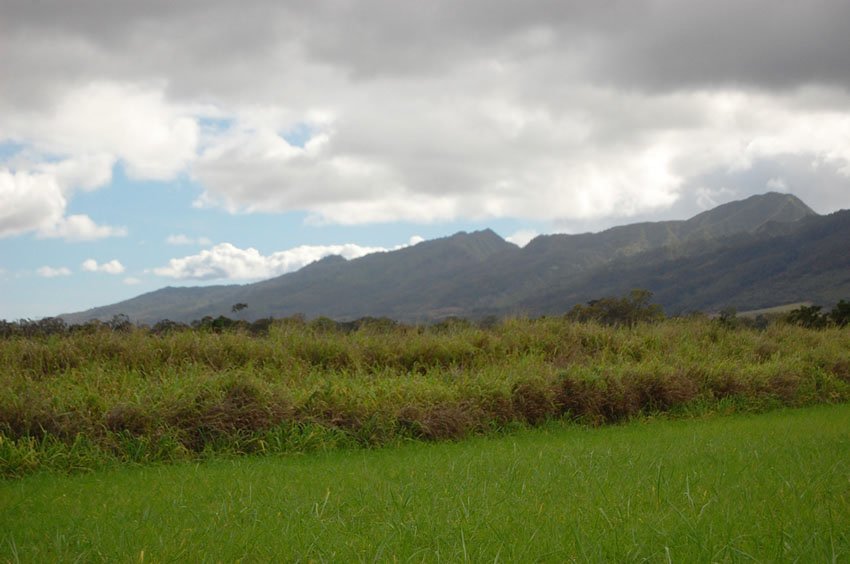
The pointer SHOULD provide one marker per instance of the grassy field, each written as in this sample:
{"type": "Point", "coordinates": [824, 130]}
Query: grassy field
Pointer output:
{"type": "Point", "coordinates": [95, 398]}
{"type": "Point", "coordinates": [773, 487]}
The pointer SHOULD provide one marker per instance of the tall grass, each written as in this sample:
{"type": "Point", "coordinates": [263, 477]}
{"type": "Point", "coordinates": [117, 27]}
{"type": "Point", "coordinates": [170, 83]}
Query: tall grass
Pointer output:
{"type": "Point", "coordinates": [87, 399]}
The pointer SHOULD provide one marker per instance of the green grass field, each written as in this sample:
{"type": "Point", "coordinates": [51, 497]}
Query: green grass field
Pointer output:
{"type": "Point", "coordinates": [772, 487]}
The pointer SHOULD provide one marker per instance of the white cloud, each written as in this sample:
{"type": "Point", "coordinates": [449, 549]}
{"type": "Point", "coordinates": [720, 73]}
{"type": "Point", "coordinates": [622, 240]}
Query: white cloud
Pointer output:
{"type": "Point", "coordinates": [81, 228]}
{"type": "Point", "coordinates": [111, 267]}
{"type": "Point", "coordinates": [225, 261]}
{"type": "Point", "coordinates": [154, 138]}
{"type": "Point", "coordinates": [522, 237]}
{"type": "Point", "coordinates": [132, 281]}
{"type": "Point", "coordinates": [29, 202]}
{"type": "Point", "coordinates": [778, 184]}
{"type": "Point", "coordinates": [181, 239]}
{"type": "Point", "coordinates": [36, 200]}
{"type": "Point", "coordinates": [50, 272]}
{"type": "Point", "coordinates": [708, 198]}
{"type": "Point", "coordinates": [482, 155]}
{"type": "Point", "coordinates": [86, 172]}
{"type": "Point", "coordinates": [73, 144]}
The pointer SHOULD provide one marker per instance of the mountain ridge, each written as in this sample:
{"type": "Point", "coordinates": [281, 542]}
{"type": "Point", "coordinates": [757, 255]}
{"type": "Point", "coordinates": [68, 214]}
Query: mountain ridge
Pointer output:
{"type": "Point", "coordinates": [479, 273]}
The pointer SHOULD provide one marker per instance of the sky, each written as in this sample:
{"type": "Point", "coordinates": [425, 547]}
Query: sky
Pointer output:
{"type": "Point", "coordinates": [159, 143]}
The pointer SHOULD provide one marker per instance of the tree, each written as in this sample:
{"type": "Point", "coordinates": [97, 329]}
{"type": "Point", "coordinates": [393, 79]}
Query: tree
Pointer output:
{"type": "Point", "coordinates": [237, 308]}
{"type": "Point", "coordinates": [120, 323]}
{"type": "Point", "coordinates": [840, 314]}
{"type": "Point", "coordinates": [166, 326]}
{"type": "Point", "coordinates": [631, 309]}
{"type": "Point", "coordinates": [728, 316]}
{"type": "Point", "coordinates": [808, 316]}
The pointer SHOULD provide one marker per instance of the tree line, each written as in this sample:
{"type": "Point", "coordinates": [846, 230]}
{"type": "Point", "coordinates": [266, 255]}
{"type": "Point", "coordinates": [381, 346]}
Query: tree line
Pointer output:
{"type": "Point", "coordinates": [629, 310]}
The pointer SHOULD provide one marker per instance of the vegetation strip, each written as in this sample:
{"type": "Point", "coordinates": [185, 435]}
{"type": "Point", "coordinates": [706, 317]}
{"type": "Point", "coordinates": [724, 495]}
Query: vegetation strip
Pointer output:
{"type": "Point", "coordinates": [85, 400]}
{"type": "Point", "coordinates": [772, 487]}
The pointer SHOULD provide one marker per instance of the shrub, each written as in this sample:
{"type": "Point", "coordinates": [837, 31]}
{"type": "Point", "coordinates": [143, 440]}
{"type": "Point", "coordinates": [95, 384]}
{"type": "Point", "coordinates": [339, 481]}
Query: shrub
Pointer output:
{"type": "Point", "coordinates": [533, 401]}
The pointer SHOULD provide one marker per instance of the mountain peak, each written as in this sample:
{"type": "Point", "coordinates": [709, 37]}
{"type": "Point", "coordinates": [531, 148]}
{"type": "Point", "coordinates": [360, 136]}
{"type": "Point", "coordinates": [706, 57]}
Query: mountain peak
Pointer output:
{"type": "Point", "coordinates": [482, 234]}
{"type": "Point", "coordinates": [478, 244]}
{"type": "Point", "coordinates": [329, 259]}
{"type": "Point", "coordinates": [749, 214]}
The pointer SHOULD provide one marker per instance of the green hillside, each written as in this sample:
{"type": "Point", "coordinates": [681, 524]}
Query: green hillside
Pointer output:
{"type": "Point", "coordinates": [759, 252]}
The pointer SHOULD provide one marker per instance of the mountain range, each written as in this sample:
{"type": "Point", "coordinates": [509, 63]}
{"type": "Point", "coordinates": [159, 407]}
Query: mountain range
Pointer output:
{"type": "Point", "coordinates": [767, 250]}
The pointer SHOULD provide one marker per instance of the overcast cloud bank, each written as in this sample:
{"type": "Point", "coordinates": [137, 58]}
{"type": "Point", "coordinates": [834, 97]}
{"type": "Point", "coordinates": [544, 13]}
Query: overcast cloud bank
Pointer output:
{"type": "Point", "coordinates": [380, 111]}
